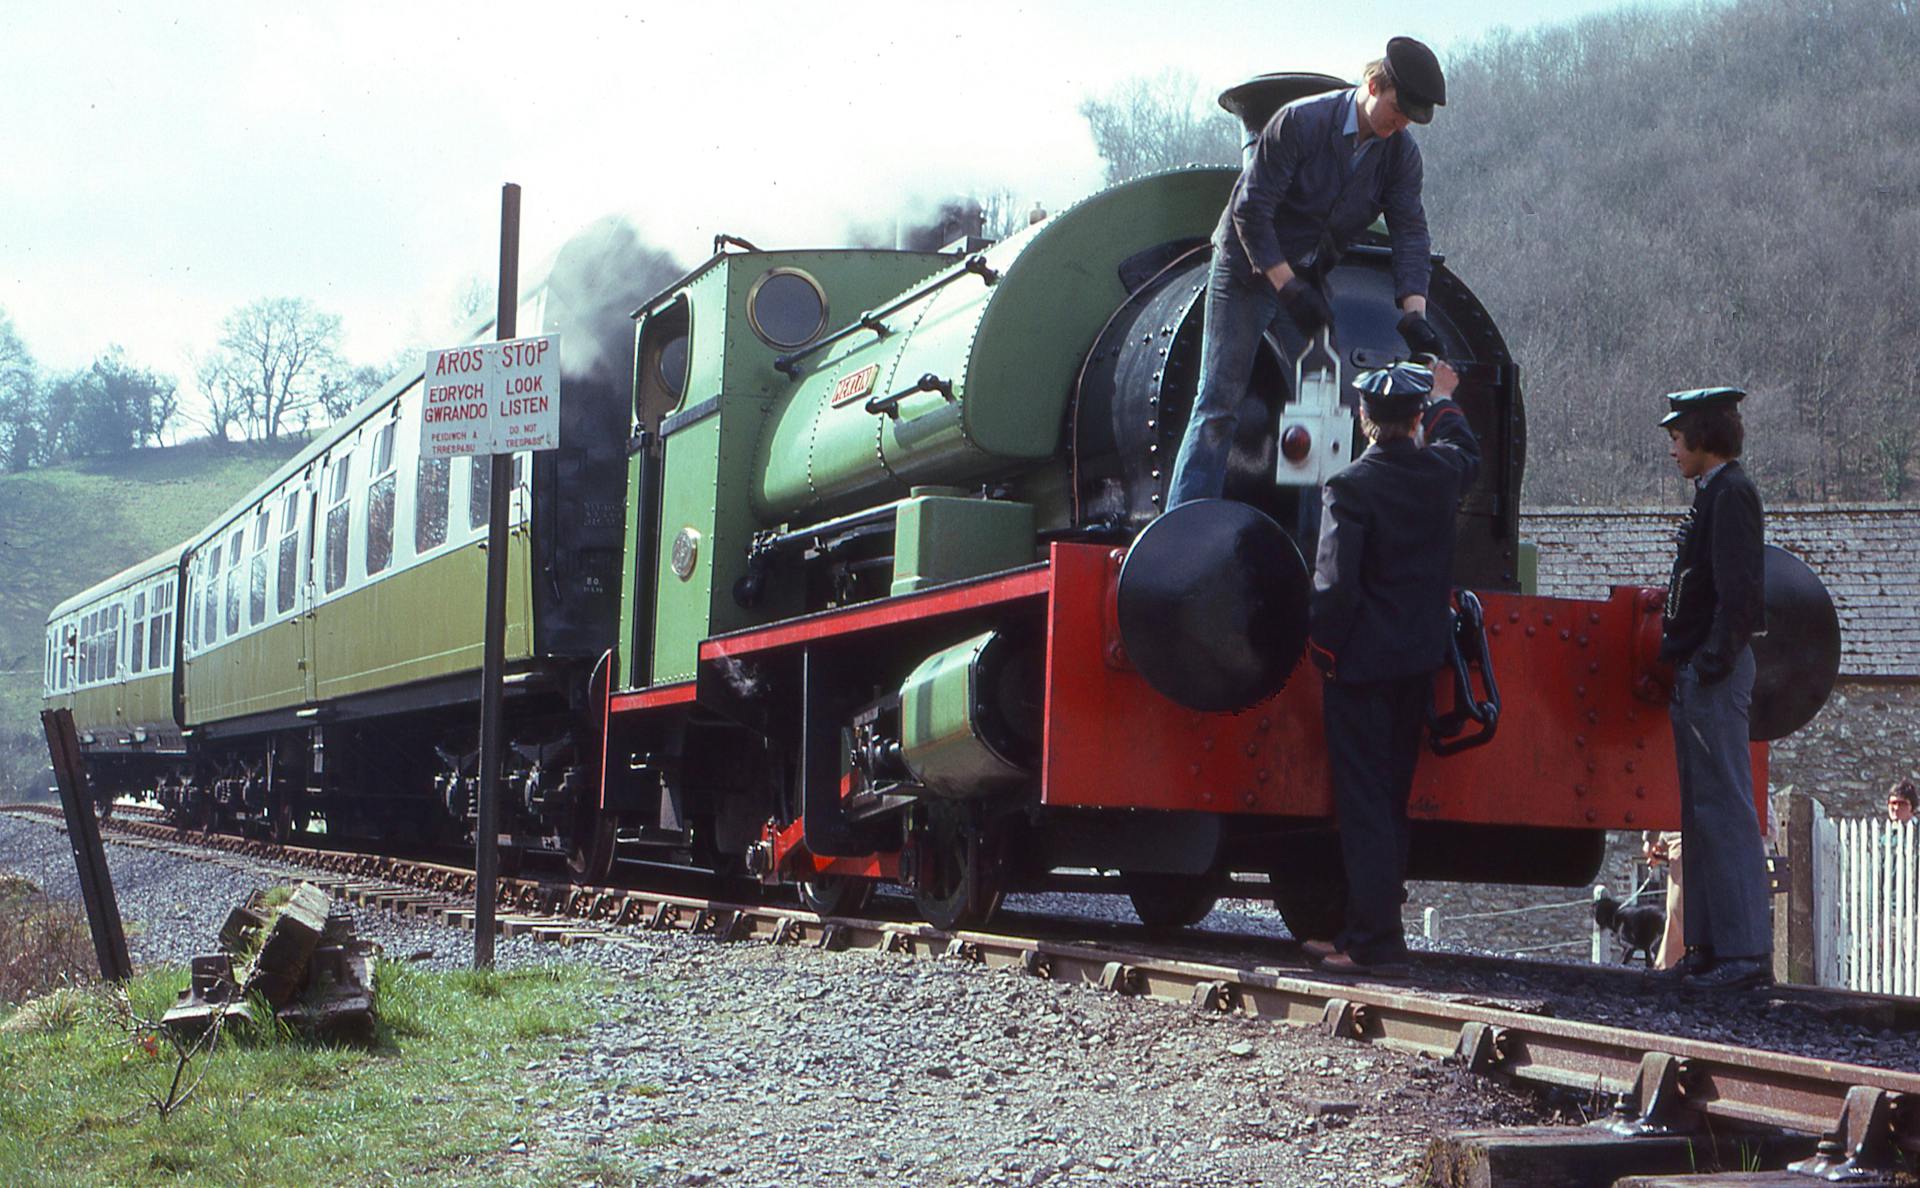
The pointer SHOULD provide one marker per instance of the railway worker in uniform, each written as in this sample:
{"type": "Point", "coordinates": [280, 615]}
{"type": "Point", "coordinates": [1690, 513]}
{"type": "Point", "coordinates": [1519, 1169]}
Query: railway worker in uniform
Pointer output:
{"type": "Point", "coordinates": [1714, 606]}
{"type": "Point", "coordinates": [1382, 587]}
{"type": "Point", "coordinates": [1321, 172]}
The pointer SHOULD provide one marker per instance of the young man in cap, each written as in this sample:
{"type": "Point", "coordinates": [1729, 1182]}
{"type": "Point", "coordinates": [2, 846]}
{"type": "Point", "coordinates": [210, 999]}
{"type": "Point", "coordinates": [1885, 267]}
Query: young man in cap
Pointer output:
{"type": "Point", "coordinates": [1715, 604]}
{"type": "Point", "coordinates": [1382, 588]}
{"type": "Point", "coordinates": [1902, 799]}
{"type": "Point", "coordinates": [1320, 173]}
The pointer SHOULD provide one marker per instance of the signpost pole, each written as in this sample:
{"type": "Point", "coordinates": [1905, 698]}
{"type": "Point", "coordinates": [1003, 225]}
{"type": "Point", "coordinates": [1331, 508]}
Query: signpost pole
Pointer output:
{"type": "Point", "coordinates": [83, 833]}
{"type": "Point", "coordinates": [486, 861]}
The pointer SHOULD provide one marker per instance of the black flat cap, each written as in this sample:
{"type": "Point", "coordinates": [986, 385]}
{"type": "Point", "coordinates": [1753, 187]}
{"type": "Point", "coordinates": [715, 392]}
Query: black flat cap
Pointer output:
{"type": "Point", "coordinates": [1681, 403]}
{"type": "Point", "coordinates": [1417, 81]}
{"type": "Point", "coordinates": [1394, 393]}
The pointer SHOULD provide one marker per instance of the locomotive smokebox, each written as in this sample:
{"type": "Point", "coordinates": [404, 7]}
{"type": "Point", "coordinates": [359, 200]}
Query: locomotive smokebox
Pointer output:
{"type": "Point", "coordinates": [1213, 605]}
{"type": "Point", "coordinates": [1798, 659]}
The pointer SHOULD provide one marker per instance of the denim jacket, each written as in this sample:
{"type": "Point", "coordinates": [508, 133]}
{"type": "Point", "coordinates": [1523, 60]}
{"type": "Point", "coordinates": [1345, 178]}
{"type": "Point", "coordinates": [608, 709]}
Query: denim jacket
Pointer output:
{"type": "Point", "coordinates": [1304, 196]}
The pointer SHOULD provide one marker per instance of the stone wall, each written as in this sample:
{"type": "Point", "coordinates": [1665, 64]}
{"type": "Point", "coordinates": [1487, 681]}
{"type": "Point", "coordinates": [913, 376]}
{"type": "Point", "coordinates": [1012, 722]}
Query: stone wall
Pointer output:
{"type": "Point", "coordinates": [1866, 737]}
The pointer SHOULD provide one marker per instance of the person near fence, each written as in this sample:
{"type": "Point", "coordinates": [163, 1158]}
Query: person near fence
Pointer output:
{"type": "Point", "coordinates": [1379, 625]}
{"type": "Point", "coordinates": [1714, 607]}
{"type": "Point", "coordinates": [1665, 848]}
{"type": "Point", "coordinates": [1902, 799]}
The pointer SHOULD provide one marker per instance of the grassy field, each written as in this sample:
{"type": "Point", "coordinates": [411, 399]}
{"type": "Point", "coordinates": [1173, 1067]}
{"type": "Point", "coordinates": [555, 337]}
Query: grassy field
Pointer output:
{"type": "Point", "coordinates": [63, 528]}
{"type": "Point", "coordinates": [439, 1097]}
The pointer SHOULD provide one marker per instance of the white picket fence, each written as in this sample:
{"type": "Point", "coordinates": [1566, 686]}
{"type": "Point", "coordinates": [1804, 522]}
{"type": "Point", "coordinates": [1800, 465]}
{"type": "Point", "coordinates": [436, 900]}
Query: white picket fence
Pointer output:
{"type": "Point", "coordinates": [1866, 879]}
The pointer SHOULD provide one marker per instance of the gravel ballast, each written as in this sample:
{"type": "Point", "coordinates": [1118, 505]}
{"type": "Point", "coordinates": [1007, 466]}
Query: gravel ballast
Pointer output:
{"type": "Point", "coordinates": [759, 1065]}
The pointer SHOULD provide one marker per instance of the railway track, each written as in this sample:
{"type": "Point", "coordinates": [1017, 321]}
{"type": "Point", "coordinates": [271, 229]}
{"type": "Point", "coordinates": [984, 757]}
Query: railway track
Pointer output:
{"type": "Point", "coordinates": [1662, 1084]}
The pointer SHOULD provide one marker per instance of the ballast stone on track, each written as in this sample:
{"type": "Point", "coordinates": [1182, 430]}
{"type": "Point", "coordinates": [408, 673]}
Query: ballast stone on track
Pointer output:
{"type": "Point", "coordinates": [787, 1065]}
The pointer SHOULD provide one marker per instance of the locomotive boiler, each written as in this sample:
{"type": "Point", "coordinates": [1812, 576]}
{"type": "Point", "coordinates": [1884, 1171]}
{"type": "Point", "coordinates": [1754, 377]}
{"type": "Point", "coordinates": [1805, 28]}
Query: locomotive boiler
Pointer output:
{"type": "Point", "coordinates": [879, 597]}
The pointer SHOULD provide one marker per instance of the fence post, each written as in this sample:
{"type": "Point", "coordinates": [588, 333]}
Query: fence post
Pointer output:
{"type": "Point", "coordinates": [1598, 952]}
{"type": "Point", "coordinates": [1827, 891]}
{"type": "Point", "coordinates": [1430, 923]}
{"type": "Point", "coordinates": [1793, 918]}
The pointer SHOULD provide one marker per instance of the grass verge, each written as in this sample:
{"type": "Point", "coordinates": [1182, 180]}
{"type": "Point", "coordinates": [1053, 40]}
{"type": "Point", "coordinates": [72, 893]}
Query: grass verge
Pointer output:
{"type": "Point", "coordinates": [439, 1097]}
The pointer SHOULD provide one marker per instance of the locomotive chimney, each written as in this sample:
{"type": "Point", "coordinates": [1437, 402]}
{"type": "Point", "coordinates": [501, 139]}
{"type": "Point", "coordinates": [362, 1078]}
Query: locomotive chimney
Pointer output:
{"type": "Point", "coordinates": [1255, 100]}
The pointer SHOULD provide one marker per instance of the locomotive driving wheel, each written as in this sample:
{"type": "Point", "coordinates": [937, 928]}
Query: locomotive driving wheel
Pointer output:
{"type": "Point", "coordinates": [956, 880]}
{"type": "Point", "coordinates": [592, 847]}
{"type": "Point", "coordinates": [1312, 913]}
{"type": "Point", "coordinates": [835, 895]}
{"type": "Point", "coordinates": [1168, 901]}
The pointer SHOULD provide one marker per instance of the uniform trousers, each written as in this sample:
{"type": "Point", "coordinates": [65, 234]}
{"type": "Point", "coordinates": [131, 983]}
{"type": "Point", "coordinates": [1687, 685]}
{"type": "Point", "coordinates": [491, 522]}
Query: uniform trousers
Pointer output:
{"type": "Point", "coordinates": [1724, 877]}
{"type": "Point", "coordinates": [1373, 742]}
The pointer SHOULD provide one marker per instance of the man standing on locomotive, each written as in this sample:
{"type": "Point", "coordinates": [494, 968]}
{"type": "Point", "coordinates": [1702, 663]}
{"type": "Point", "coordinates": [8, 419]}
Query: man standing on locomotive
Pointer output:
{"type": "Point", "coordinates": [1321, 172]}
{"type": "Point", "coordinates": [1715, 604]}
{"type": "Point", "coordinates": [1380, 621]}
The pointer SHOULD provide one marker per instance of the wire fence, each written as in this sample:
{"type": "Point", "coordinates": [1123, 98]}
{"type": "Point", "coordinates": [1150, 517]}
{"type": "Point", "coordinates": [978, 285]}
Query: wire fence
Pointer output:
{"type": "Point", "coordinates": [1595, 942]}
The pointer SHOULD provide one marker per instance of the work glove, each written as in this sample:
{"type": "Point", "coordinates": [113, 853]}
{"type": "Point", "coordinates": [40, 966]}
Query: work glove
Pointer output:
{"type": "Point", "coordinates": [1307, 306]}
{"type": "Point", "coordinates": [1711, 667]}
{"type": "Point", "coordinates": [1421, 337]}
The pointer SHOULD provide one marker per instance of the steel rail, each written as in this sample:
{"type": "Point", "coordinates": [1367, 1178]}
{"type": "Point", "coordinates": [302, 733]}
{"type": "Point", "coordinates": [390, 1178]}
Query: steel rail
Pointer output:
{"type": "Point", "coordinates": [1752, 1086]}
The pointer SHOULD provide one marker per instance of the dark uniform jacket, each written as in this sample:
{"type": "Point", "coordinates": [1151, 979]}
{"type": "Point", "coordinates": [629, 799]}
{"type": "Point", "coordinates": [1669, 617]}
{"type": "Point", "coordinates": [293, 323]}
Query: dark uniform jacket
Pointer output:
{"type": "Point", "coordinates": [1383, 578]}
{"type": "Point", "coordinates": [1716, 597]}
{"type": "Point", "coordinates": [1303, 197]}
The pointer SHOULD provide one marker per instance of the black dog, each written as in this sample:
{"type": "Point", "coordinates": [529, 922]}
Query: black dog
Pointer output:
{"type": "Point", "coordinates": [1637, 927]}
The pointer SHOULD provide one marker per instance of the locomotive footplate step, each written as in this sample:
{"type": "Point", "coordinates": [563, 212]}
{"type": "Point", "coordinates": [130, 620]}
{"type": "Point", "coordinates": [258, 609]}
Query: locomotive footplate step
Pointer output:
{"type": "Point", "coordinates": [1589, 1157]}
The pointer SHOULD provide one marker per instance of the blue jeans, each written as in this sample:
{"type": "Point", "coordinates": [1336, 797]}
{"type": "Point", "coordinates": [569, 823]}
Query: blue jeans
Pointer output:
{"type": "Point", "coordinates": [1724, 874]}
{"type": "Point", "coordinates": [1239, 310]}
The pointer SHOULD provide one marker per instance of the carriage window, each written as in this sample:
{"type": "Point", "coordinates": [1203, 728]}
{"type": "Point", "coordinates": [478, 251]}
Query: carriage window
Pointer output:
{"type": "Point", "coordinates": [287, 579]}
{"type": "Point", "coordinates": [380, 503]}
{"type": "Point", "coordinates": [336, 559]}
{"type": "Point", "coordinates": [137, 654]}
{"type": "Point", "coordinates": [160, 630]}
{"type": "Point", "coordinates": [479, 491]}
{"type": "Point", "coordinates": [233, 580]}
{"type": "Point", "coordinates": [430, 503]}
{"type": "Point", "coordinates": [257, 572]}
{"type": "Point", "coordinates": [113, 641]}
{"type": "Point", "coordinates": [210, 626]}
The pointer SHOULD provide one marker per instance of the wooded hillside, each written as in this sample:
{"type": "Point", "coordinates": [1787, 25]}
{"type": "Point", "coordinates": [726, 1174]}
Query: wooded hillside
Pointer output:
{"type": "Point", "coordinates": [1662, 198]}
{"type": "Point", "coordinates": [1670, 198]}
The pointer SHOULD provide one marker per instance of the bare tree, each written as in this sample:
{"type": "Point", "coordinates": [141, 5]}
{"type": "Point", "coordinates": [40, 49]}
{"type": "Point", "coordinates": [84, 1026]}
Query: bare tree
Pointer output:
{"type": "Point", "coordinates": [278, 358]}
{"type": "Point", "coordinates": [225, 400]}
{"type": "Point", "coordinates": [1162, 122]}
{"type": "Point", "coordinates": [19, 400]}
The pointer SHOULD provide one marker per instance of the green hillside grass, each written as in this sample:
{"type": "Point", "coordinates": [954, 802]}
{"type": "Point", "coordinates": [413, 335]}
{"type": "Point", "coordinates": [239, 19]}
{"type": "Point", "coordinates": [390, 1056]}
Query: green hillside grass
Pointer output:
{"type": "Point", "coordinates": [63, 528]}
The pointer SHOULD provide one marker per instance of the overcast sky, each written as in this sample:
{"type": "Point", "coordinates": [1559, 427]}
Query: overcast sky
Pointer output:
{"type": "Point", "coordinates": [165, 164]}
